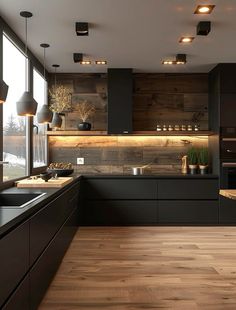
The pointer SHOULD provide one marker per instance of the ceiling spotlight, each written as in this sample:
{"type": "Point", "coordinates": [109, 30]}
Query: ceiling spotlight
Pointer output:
{"type": "Point", "coordinates": [203, 28]}
{"type": "Point", "coordinates": [78, 57]}
{"type": "Point", "coordinates": [100, 62]}
{"type": "Point", "coordinates": [204, 9]}
{"type": "Point", "coordinates": [168, 62]}
{"type": "Point", "coordinates": [81, 29]}
{"type": "Point", "coordinates": [85, 62]}
{"type": "Point", "coordinates": [186, 39]}
{"type": "Point", "coordinates": [181, 59]}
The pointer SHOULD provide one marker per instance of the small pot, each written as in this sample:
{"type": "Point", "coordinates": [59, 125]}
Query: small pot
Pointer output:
{"type": "Point", "coordinates": [193, 169]}
{"type": "Point", "coordinates": [203, 169]}
{"type": "Point", "coordinates": [137, 170]}
{"type": "Point", "coordinates": [84, 126]}
{"type": "Point", "coordinates": [46, 176]}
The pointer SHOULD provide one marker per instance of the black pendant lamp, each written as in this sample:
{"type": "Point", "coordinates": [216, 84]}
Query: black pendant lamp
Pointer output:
{"type": "Point", "coordinates": [56, 120]}
{"type": "Point", "coordinates": [44, 116]}
{"type": "Point", "coordinates": [26, 105]}
{"type": "Point", "coordinates": [3, 91]}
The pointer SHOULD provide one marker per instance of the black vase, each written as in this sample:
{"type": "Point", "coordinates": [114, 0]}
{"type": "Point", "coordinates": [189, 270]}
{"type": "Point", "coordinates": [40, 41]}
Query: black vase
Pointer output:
{"type": "Point", "coordinates": [84, 126]}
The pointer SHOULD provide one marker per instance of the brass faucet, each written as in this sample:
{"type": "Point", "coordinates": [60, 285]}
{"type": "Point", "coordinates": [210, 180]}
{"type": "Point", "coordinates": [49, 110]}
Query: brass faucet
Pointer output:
{"type": "Point", "coordinates": [184, 167]}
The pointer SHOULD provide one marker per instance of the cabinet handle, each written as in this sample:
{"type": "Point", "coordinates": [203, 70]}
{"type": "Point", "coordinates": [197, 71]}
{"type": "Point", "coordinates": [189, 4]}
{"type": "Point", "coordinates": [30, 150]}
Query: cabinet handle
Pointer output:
{"type": "Point", "coordinates": [228, 164]}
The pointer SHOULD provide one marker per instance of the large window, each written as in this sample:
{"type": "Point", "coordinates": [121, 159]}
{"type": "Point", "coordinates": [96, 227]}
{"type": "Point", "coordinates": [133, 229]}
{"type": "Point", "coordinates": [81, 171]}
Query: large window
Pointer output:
{"type": "Point", "coordinates": [14, 127]}
{"type": "Point", "coordinates": [39, 130]}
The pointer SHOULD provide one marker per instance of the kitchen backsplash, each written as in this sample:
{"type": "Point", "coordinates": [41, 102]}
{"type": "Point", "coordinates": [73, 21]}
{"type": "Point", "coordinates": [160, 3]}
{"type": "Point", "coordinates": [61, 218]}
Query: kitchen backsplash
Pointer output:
{"type": "Point", "coordinates": [117, 154]}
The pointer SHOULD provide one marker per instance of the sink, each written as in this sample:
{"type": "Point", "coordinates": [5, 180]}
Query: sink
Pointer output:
{"type": "Point", "coordinates": [18, 200]}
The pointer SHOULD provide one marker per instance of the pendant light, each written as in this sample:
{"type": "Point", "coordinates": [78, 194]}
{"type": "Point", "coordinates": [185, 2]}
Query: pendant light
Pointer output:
{"type": "Point", "coordinates": [26, 105]}
{"type": "Point", "coordinates": [3, 91]}
{"type": "Point", "coordinates": [44, 116]}
{"type": "Point", "coordinates": [56, 120]}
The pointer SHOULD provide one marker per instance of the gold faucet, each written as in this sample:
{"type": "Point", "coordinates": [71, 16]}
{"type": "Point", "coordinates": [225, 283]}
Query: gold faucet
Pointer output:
{"type": "Point", "coordinates": [184, 167]}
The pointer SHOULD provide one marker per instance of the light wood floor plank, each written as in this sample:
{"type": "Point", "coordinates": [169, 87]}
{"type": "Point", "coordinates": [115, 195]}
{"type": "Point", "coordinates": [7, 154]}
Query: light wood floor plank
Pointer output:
{"type": "Point", "coordinates": [129, 268]}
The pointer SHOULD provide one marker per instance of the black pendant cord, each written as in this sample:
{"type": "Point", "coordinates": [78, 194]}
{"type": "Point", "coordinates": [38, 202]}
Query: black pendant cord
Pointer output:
{"type": "Point", "coordinates": [26, 54]}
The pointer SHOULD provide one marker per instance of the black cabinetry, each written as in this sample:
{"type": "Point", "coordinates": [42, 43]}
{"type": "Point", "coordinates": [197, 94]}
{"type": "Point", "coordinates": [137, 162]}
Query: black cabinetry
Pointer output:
{"type": "Point", "coordinates": [31, 253]}
{"type": "Point", "coordinates": [119, 201]}
{"type": "Point", "coordinates": [120, 101]}
{"type": "Point", "coordinates": [46, 266]}
{"type": "Point", "coordinates": [144, 201]}
{"type": "Point", "coordinates": [14, 260]}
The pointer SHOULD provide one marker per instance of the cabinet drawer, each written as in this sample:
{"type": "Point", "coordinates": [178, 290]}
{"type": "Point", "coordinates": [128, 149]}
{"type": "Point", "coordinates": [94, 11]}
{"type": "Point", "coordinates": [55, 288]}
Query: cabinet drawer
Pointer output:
{"type": "Point", "coordinates": [43, 271]}
{"type": "Point", "coordinates": [227, 211]}
{"type": "Point", "coordinates": [120, 212]}
{"type": "Point", "coordinates": [120, 189]}
{"type": "Point", "coordinates": [14, 260]}
{"type": "Point", "coordinates": [45, 223]}
{"type": "Point", "coordinates": [187, 212]}
{"type": "Point", "coordinates": [20, 298]}
{"type": "Point", "coordinates": [188, 189]}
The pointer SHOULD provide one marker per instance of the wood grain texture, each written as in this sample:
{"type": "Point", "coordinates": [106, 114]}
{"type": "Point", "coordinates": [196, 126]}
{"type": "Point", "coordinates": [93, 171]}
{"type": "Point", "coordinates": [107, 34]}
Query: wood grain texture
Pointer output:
{"type": "Point", "coordinates": [60, 182]}
{"type": "Point", "coordinates": [147, 268]}
{"type": "Point", "coordinates": [170, 98]}
{"type": "Point", "coordinates": [229, 193]}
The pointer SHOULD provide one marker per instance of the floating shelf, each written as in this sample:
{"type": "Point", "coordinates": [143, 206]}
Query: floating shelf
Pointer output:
{"type": "Point", "coordinates": [135, 133]}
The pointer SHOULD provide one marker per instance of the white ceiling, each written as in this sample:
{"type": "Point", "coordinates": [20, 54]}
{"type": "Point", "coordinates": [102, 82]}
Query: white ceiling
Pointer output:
{"type": "Point", "coordinates": [127, 33]}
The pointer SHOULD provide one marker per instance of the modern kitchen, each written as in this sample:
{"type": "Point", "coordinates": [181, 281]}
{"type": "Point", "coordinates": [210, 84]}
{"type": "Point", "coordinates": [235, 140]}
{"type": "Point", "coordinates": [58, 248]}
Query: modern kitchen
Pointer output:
{"type": "Point", "coordinates": [117, 154]}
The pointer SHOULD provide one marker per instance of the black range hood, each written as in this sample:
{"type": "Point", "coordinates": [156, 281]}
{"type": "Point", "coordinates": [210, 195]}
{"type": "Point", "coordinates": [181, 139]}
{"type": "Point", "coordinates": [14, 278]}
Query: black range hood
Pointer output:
{"type": "Point", "coordinates": [120, 101]}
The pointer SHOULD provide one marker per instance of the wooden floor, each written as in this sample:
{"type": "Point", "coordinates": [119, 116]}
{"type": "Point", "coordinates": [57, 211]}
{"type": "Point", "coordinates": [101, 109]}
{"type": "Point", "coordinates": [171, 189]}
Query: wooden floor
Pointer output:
{"type": "Point", "coordinates": [147, 268]}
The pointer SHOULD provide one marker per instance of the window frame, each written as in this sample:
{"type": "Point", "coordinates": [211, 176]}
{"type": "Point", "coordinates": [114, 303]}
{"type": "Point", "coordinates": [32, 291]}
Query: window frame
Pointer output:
{"type": "Point", "coordinates": [33, 62]}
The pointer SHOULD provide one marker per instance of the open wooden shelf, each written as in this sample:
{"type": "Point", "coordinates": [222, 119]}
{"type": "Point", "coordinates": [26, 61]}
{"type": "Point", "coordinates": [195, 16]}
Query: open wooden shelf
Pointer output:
{"type": "Point", "coordinates": [135, 133]}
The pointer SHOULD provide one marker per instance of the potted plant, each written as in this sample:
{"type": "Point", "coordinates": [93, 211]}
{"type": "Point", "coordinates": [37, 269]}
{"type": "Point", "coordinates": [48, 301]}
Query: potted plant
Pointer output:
{"type": "Point", "coordinates": [192, 160]}
{"type": "Point", "coordinates": [203, 160]}
{"type": "Point", "coordinates": [85, 110]}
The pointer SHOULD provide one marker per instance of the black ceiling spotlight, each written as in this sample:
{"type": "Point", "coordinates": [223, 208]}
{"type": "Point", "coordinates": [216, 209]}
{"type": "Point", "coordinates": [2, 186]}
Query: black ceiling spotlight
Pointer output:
{"type": "Point", "coordinates": [81, 29]}
{"type": "Point", "coordinates": [203, 28]}
{"type": "Point", "coordinates": [181, 59]}
{"type": "Point", "coordinates": [78, 57]}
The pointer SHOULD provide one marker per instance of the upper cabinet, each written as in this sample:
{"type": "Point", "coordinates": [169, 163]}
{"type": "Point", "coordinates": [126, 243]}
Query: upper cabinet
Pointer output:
{"type": "Point", "coordinates": [222, 96]}
{"type": "Point", "coordinates": [120, 101]}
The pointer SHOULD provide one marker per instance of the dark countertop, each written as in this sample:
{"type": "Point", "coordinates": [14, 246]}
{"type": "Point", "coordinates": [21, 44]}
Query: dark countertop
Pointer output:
{"type": "Point", "coordinates": [152, 176]}
{"type": "Point", "coordinates": [12, 217]}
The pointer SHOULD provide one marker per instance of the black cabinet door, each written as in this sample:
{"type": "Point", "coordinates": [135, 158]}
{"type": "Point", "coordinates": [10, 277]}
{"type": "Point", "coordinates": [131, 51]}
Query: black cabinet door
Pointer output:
{"type": "Point", "coordinates": [120, 101]}
{"type": "Point", "coordinates": [20, 298]}
{"type": "Point", "coordinates": [120, 189]}
{"type": "Point", "coordinates": [227, 110]}
{"type": "Point", "coordinates": [227, 212]}
{"type": "Point", "coordinates": [45, 223]}
{"type": "Point", "coordinates": [188, 189]}
{"type": "Point", "coordinates": [188, 212]}
{"type": "Point", "coordinates": [120, 212]}
{"type": "Point", "coordinates": [43, 271]}
{"type": "Point", "coordinates": [14, 260]}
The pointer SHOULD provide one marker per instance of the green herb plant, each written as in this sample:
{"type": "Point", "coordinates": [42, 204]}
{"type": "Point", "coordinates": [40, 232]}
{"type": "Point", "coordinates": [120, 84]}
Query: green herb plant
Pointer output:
{"type": "Point", "coordinates": [203, 157]}
{"type": "Point", "coordinates": [192, 156]}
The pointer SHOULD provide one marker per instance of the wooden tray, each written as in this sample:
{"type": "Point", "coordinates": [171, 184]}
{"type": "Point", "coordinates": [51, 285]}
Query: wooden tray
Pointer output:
{"type": "Point", "coordinates": [60, 182]}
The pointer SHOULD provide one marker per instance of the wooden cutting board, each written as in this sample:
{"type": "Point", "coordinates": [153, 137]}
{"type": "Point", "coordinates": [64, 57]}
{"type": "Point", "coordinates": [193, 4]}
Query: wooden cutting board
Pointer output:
{"type": "Point", "coordinates": [60, 182]}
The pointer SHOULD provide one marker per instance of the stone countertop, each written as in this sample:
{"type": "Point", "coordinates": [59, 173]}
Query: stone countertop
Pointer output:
{"type": "Point", "coordinates": [228, 193]}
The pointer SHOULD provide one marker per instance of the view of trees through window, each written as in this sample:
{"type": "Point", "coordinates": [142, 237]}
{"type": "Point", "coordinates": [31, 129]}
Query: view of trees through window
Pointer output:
{"type": "Point", "coordinates": [14, 127]}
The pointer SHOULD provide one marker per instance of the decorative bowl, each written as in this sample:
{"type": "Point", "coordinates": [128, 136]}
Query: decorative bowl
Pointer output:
{"type": "Point", "coordinates": [61, 172]}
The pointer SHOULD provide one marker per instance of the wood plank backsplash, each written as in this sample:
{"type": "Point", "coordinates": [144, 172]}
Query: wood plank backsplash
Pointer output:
{"type": "Point", "coordinates": [158, 99]}
{"type": "Point", "coordinates": [117, 154]}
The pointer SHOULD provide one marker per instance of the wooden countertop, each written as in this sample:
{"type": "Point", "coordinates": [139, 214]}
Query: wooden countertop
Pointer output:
{"type": "Point", "coordinates": [228, 193]}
